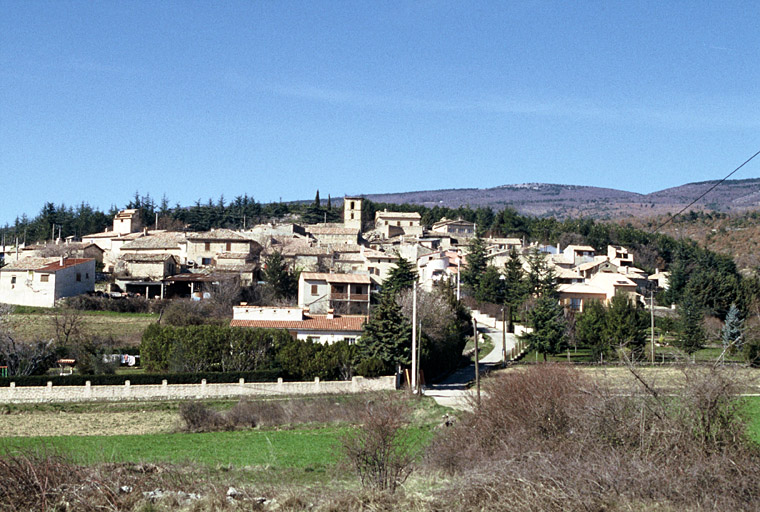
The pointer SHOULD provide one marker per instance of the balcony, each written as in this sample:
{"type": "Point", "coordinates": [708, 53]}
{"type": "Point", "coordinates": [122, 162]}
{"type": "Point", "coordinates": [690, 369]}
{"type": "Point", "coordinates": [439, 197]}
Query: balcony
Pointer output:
{"type": "Point", "coordinates": [353, 297]}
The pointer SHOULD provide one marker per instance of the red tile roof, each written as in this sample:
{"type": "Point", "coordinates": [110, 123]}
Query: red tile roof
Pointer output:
{"type": "Point", "coordinates": [67, 262]}
{"type": "Point", "coordinates": [352, 323]}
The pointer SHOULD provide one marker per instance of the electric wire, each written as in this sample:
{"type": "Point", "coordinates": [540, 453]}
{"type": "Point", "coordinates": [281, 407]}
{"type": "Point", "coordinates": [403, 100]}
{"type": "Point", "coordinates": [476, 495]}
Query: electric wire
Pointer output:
{"type": "Point", "coordinates": [704, 194]}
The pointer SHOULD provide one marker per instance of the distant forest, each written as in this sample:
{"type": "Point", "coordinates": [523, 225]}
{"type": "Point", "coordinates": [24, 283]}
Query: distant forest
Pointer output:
{"type": "Point", "coordinates": [713, 278]}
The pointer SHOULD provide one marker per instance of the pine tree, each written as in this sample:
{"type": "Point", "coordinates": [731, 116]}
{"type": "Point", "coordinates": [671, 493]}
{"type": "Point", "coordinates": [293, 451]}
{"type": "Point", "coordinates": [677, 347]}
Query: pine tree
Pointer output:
{"type": "Point", "coordinates": [401, 276]}
{"type": "Point", "coordinates": [477, 262]}
{"type": "Point", "coordinates": [733, 329]}
{"type": "Point", "coordinates": [515, 287]}
{"type": "Point", "coordinates": [491, 286]}
{"type": "Point", "coordinates": [691, 336]}
{"type": "Point", "coordinates": [281, 281]}
{"type": "Point", "coordinates": [625, 324]}
{"type": "Point", "coordinates": [549, 335]}
{"type": "Point", "coordinates": [590, 329]}
{"type": "Point", "coordinates": [317, 202]}
{"type": "Point", "coordinates": [387, 336]}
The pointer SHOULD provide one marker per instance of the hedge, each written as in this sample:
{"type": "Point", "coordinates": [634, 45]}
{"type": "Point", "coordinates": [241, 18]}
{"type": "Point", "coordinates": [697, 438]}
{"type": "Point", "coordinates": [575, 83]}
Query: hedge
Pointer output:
{"type": "Point", "coordinates": [142, 378]}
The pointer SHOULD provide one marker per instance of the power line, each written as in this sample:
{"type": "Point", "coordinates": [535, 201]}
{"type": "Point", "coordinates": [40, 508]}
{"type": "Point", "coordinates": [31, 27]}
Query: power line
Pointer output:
{"type": "Point", "coordinates": [704, 194]}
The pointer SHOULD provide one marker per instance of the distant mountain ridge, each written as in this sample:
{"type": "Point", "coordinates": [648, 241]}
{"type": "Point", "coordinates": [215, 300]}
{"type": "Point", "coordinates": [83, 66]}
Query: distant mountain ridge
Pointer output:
{"type": "Point", "coordinates": [546, 199]}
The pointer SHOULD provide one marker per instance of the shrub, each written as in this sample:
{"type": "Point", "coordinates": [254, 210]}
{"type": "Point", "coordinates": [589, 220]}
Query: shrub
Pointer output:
{"type": "Point", "coordinates": [380, 450]}
{"type": "Point", "coordinates": [198, 417]}
{"type": "Point", "coordinates": [587, 447]}
{"type": "Point", "coordinates": [371, 368]}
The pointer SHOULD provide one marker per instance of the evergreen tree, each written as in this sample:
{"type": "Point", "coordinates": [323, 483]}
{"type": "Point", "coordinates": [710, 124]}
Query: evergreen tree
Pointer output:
{"type": "Point", "coordinates": [537, 269]}
{"type": "Point", "coordinates": [590, 329]}
{"type": "Point", "coordinates": [477, 262]}
{"type": "Point", "coordinates": [691, 335]}
{"type": "Point", "coordinates": [733, 329]}
{"type": "Point", "coordinates": [317, 202]}
{"type": "Point", "coordinates": [625, 324]}
{"type": "Point", "coordinates": [282, 282]}
{"type": "Point", "coordinates": [549, 335]}
{"type": "Point", "coordinates": [515, 287]}
{"type": "Point", "coordinates": [491, 286]}
{"type": "Point", "coordinates": [401, 276]}
{"type": "Point", "coordinates": [387, 335]}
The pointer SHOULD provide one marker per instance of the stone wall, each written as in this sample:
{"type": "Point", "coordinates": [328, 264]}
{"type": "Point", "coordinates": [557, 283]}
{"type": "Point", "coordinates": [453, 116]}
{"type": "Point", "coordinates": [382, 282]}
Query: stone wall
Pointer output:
{"type": "Point", "coordinates": [164, 391]}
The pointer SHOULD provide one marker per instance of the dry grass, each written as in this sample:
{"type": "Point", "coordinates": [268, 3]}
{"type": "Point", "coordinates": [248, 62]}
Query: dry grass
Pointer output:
{"type": "Point", "coordinates": [32, 424]}
{"type": "Point", "coordinates": [550, 438]}
{"type": "Point", "coordinates": [125, 330]}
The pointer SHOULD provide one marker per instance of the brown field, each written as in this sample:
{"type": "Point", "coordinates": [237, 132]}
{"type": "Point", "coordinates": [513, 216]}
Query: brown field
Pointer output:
{"type": "Point", "coordinates": [124, 329]}
{"type": "Point", "coordinates": [33, 424]}
{"type": "Point", "coordinates": [619, 377]}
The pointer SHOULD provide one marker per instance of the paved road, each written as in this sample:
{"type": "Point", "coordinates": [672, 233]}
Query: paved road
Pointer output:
{"type": "Point", "coordinates": [453, 390]}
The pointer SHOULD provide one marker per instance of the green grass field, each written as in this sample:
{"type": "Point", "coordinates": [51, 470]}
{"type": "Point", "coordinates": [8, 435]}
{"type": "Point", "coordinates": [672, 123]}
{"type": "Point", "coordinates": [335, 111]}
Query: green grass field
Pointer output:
{"type": "Point", "coordinates": [304, 447]}
{"type": "Point", "coordinates": [752, 410]}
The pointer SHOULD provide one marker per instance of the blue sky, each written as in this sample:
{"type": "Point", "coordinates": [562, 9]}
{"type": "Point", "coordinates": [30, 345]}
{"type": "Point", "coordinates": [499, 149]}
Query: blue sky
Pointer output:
{"type": "Point", "coordinates": [277, 99]}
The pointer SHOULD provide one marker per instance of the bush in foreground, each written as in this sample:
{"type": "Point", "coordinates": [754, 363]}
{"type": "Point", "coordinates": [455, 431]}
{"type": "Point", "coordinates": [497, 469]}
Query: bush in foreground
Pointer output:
{"type": "Point", "coordinates": [546, 438]}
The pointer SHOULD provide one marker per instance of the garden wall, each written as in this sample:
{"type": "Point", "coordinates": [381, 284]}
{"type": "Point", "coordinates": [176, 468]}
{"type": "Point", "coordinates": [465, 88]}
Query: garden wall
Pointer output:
{"type": "Point", "coordinates": [165, 391]}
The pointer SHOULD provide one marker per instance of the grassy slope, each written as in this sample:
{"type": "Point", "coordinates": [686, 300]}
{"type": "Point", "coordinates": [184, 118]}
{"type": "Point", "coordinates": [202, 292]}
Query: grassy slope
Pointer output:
{"type": "Point", "coordinates": [125, 328]}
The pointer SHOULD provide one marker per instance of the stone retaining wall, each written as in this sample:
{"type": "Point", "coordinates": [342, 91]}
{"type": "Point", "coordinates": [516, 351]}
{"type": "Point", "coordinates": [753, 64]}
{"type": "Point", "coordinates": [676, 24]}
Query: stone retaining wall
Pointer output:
{"type": "Point", "coordinates": [165, 391]}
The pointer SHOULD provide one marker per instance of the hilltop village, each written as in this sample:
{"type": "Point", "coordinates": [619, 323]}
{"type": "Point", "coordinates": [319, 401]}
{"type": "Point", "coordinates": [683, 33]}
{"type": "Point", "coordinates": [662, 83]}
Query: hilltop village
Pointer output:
{"type": "Point", "coordinates": [340, 266]}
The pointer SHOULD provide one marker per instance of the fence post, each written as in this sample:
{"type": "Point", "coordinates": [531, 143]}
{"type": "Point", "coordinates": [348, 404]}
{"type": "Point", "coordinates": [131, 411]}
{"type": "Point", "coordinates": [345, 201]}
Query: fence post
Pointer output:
{"type": "Point", "coordinates": [87, 389]}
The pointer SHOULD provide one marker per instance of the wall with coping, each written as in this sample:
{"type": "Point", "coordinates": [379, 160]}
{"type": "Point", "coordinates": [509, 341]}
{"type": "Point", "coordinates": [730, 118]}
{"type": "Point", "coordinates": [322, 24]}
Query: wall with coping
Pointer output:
{"type": "Point", "coordinates": [164, 391]}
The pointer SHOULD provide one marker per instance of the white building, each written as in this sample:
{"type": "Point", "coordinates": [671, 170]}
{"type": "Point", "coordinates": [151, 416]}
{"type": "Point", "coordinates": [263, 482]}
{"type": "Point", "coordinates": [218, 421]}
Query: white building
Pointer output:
{"type": "Point", "coordinates": [42, 281]}
{"type": "Point", "coordinates": [325, 329]}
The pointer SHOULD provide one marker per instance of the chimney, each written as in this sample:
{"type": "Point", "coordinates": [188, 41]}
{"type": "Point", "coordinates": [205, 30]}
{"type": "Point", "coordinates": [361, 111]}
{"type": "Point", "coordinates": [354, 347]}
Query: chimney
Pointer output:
{"type": "Point", "coordinates": [330, 314]}
{"type": "Point", "coordinates": [62, 258]}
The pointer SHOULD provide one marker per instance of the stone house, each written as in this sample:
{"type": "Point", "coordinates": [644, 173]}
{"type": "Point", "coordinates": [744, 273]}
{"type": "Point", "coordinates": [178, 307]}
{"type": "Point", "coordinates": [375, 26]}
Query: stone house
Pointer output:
{"type": "Point", "coordinates": [204, 248]}
{"type": "Point", "coordinates": [321, 292]}
{"type": "Point", "coordinates": [42, 281]}
{"type": "Point", "coordinates": [391, 224]}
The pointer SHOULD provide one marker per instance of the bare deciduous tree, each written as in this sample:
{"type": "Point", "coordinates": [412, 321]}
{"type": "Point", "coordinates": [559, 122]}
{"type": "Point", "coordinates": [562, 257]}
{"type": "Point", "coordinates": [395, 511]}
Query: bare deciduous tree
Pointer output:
{"type": "Point", "coordinates": [433, 310]}
{"type": "Point", "coordinates": [22, 357]}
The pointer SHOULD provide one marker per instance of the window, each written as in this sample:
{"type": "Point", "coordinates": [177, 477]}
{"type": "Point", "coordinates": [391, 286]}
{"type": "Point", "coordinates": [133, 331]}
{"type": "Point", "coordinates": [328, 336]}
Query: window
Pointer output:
{"type": "Point", "coordinates": [44, 278]}
{"type": "Point", "coordinates": [205, 261]}
{"type": "Point", "coordinates": [79, 277]}
{"type": "Point", "coordinates": [87, 275]}
{"type": "Point", "coordinates": [207, 246]}
{"type": "Point", "coordinates": [575, 304]}
{"type": "Point", "coordinates": [13, 279]}
{"type": "Point", "coordinates": [314, 289]}
{"type": "Point", "coordinates": [352, 207]}
{"type": "Point", "coordinates": [229, 246]}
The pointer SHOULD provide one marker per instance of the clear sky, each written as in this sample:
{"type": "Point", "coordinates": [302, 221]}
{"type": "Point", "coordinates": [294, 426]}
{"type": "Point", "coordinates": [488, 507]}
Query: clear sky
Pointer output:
{"type": "Point", "coordinates": [277, 99]}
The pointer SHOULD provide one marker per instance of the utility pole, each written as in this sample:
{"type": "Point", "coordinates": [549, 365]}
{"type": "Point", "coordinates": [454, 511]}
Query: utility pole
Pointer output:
{"type": "Point", "coordinates": [156, 221]}
{"type": "Point", "coordinates": [477, 367]}
{"type": "Point", "coordinates": [414, 338]}
{"type": "Point", "coordinates": [459, 272]}
{"type": "Point", "coordinates": [419, 357]}
{"type": "Point", "coordinates": [503, 337]}
{"type": "Point", "coordinates": [651, 316]}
